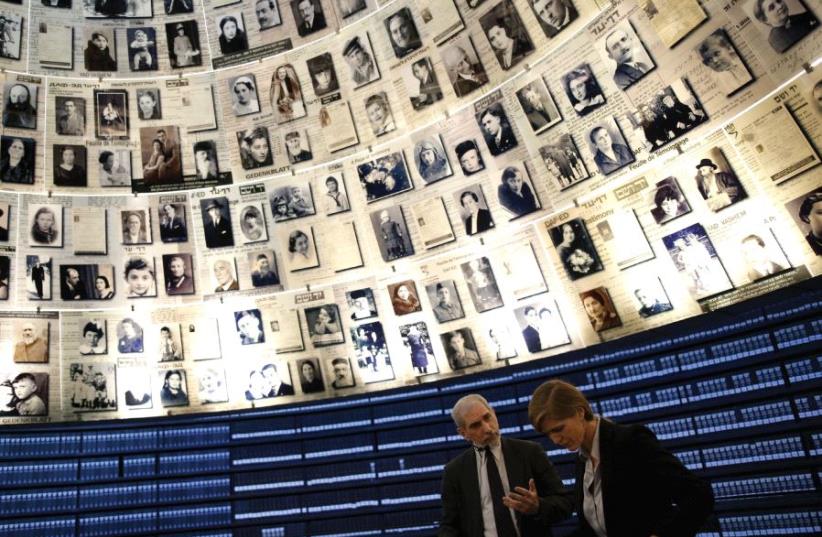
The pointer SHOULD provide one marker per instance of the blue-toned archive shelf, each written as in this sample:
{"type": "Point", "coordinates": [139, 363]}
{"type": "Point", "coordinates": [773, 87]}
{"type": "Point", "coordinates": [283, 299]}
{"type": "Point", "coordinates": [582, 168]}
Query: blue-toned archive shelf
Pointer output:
{"type": "Point", "coordinates": [740, 401]}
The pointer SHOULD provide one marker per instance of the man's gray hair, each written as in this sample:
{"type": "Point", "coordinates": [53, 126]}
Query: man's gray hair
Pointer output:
{"type": "Point", "coordinates": [466, 402]}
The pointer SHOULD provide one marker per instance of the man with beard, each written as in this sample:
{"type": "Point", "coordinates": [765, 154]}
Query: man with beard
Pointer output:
{"type": "Point", "coordinates": [500, 486]}
{"type": "Point", "coordinates": [19, 111]}
{"type": "Point", "coordinates": [263, 275]}
{"type": "Point", "coordinates": [32, 349]}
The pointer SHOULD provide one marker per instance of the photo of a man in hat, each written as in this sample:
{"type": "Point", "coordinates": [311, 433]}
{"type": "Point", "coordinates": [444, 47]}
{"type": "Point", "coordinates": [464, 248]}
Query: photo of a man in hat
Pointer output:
{"type": "Point", "coordinates": [361, 62]}
{"type": "Point", "coordinates": [216, 223]}
{"type": "Point", "coordinates": [718, 188]}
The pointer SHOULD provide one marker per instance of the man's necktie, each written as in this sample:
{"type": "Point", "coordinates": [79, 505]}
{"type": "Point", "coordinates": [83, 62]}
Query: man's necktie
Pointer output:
{"type": "Point", "coordinates": [502, 516]}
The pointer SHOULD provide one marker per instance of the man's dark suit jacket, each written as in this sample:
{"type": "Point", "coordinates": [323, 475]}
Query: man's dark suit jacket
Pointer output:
{"type": "Point", "coordinates": [507, 141]}
{"type": "Point", "coordinates": [484, 221]}
{"type": "Point", "coordinates": [625, 75]}
{"type": "Point", "coordinates": [640, 482]}
{"type": "Point", "coordinates": [461, 509]}
{"type": "Point", "coordinates": [531, 336]}
{"type": "Point", "coordinates": [219, 235]}
{"type": "Point", "coordinates": [175, 231]}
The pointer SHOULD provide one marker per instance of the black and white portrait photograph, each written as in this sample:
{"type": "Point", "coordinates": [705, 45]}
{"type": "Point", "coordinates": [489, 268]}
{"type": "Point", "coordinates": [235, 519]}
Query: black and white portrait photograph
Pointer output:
{"type": "Point", "coordinates": [140, 277]}
{"type": "Point", "coordinates": [309, 373]}
{"type": "Point", "coordinates": [94, 337]}
{"type": "Point", "coordinates": [12, 30]}
{"type": "Point", "coordinates": [716, 181]}
{"type": "Point", "coordinates": [262, 265]}
{"type": "Point", "coordinates": [183, 40]}
{"type": "Point", "coordinates": [554, 15]}
{"type": "Point", "coordinates": [93, 387]}
{"type": "Point", "coordinates": [359, 56]}
{"type": "Point", "coordinates": [206, 166]}
{"type": "Point", "coordinates": [600, 309]}
{"type": "Point", "coordinates": [100, 53]}
{"type": "Point", "coordinates": [384, 177]}
{"type": "Point", "coordinates": [361, 303]}
{"type": "Point", "coordinates": [286, 94]}
{"type": "Point", "coordinates": [421, 83]}
{"type": "Point", "coordinates": [249, 325]}
{"type": "Point", "coordinates": [176, 7]}
{"type": "Point", "coordinates": [460, 349]}
{"type": "Point", "coordinates": [129, 337]}
{"type": "Point", "coordinates": [169, 343]}
{"type": "Point", "coordinates": [474, 211]}
{"type": "Point", "coordinates": [297, 147]}
{"type": "Point", "coordinates": [148, 104]}
{"type": "Point", "coordinates": [806, 211]}
{"type": "Point", "coordinates": [136, 385]}
{"type": "Point", "coordinates": [173, 391]}
{"type": "Point", "coordinates": [232, 33]}
{"type": "Point", "coordinates": [324, 78]}
{"type": "Point", "coordinates": [142, 48]}
{"type": "Point", "coordinates": [69, 165]}
{"type": "Point", "coordinates": [380, 117]}
{"type": "Point", "coordinates": [5, 272]}
{"type": "Point", "coordinates": [268, 379]}
{"type": "Point", "coordinates": [784, 22]}
{"type": "Point", "coordinates": [575, 249]}
{"type": "Point", "coordinates": [340, 372]}
{"type": "Point", "coordinates": [722, 62]}
{"type": "Point", "coordinates": [173, 225]}
{"type": "Point", "coordinates": [212, 383]}
{"type": "Point", "coordinates": [255, 148]}
{"type": "Point", "coordinates": [417, 343]}
{"type": "Point", "coordinates": [334, 196]}
{"type": "Point", "coordinates": [469, 157]}
{"type": "Point", "coordinates": [516, 193]}
{"type": "Point", "coordinates": [324, 325]}
{"type": "Point", "coordinates": [500, 342]}
{"type": "Point", "coordinates": [563, 162]}
{"type": "Point", "coordinates": [391, 233]}
{"type": "Point", "coordinates": [31, 341]}
{"type": "Point", "coordinates": [538, 106]}
{"type": "Point", "coordinates": [301, 250]}
{"type": "Point", "coordinates": [609, 147]}
{"type": "Point", "coordinates": [17, 160]}
{"type": "Point", "coordinates": [216, 222]}
{"type": "Point", "coordinates": [650, 297]}
{"type": "Point", "coordinates": [670, 113]}
{"type": "Point", "coordinates": [19, 105]}
{"type": "Point", "coordinates": [5, 220]}
{"type": "Point", "coordinates": [136, 226]}
{"type": "Point", "coordinates": [624, 54]}
{"type": "Point", "coordinates": [111, 114]}
{"type": "Point", "coordinates": [268, 14]}
{"type": "Point", "coordinates": [86, 282]}
{"type": "Point", "coordinates": [582, 89]}
{"type": "Point", "coordinates": [496, 129]}
{"type": "Point", "coordinates": [542, 325]}
{"type": "Point", "coordinates": [347, 8]}
{"type": "Point", "coordinates": [371, 352]}
{"type": "Point", "coordinates": [465, 69]}
{"type": "Point", "coordinates": [762, 255]}
{"type": "Point", "coordinates": [482, 284]}
{"type": "Point", "coordinates": [431, 159]}
{"type": "Point", "coordinates": [291, 201]}
{"type": "Point", "coordinates": [244, 99]}
{"type": "Point", "coordinates": [506, 34]}
{"type": "Point", "coordinates": [445, 301]}
{"type": "Point", "coordinates": [668, 201]}
{"type": "Point", "coordinates": [402, 33]}
{"type": "Point", "coordinates": [114, 9]}
{"type": "Point", "coordinates": [46, 225]}
{"type": "Point", "coordinates": [308, 16]}
{"type": "Point", "coordinates": [70, 113]}
{"type": "Point", "coordinates": [178, 274]}
{"type": "Point", "coordinates": [697, 261]}
{"type": "Point", "coordinates": [113, 166]}
{"type": "Point", "coordinates": [38, 277]}
{"type": "Point", "coordinates": [252, 223]}
{"type": "Point", "coordinates": [224, 274]}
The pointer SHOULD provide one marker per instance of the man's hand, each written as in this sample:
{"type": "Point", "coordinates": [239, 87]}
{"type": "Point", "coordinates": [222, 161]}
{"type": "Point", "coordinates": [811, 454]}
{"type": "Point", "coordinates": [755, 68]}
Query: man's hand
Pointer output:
{"type": "Point", "coordinates": [523, 500]}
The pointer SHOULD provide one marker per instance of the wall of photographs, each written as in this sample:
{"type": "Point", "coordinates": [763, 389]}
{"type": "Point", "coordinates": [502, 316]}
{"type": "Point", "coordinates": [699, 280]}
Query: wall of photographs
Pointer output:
{"type": "Point", "coordinates": [388, 195]}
